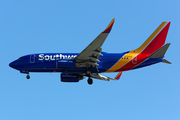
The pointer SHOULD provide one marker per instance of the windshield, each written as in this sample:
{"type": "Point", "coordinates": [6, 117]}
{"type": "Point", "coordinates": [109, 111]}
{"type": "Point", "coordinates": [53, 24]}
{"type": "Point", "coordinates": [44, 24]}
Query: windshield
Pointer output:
{"type": "Point", "coordinates": [21, 58]}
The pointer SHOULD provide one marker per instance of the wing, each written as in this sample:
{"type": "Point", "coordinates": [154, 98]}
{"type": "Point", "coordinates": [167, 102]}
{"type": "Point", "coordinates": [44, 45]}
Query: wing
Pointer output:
{"type": "Point", "coordinates": [102, 77]}
{"type": "Point", "coordinates": [89, 56]}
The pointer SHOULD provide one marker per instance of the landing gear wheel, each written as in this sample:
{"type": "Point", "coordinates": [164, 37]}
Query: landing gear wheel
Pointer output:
{"type": "Point", "coordinates": [90, 81]}
{"type": "Point", "coordinates": [28, 77]}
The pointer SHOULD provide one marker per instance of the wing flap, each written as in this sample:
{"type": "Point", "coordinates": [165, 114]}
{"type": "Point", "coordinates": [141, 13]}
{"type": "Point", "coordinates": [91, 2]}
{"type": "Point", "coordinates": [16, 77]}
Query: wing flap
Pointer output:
{"type": "Point", "coordinates": [101, 77]}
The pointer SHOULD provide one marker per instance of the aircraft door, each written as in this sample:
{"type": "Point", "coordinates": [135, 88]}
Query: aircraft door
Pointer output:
{"type": "Point", "coordinates": [32, 58]}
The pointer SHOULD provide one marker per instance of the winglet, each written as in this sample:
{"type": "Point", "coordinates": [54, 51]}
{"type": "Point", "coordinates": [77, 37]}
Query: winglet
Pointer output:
{"type": "Point", "coordinates": [109, 27]}
{"type": "Point", "coordinates": [118, 76]}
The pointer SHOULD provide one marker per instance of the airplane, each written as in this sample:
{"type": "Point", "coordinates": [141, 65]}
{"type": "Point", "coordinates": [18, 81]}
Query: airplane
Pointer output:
{"type": "Point", "coordinates": [92, 61]}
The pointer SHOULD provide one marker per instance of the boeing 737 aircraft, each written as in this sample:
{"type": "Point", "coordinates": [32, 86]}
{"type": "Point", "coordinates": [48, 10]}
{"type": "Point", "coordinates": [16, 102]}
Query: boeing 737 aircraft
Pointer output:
{"type": "Point", "coordinates": [92, 61]}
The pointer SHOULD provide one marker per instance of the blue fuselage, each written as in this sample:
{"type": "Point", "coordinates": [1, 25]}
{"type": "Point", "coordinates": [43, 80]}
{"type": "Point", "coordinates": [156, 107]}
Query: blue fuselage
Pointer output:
{"type": "Point", "coordinates": [64, 62]}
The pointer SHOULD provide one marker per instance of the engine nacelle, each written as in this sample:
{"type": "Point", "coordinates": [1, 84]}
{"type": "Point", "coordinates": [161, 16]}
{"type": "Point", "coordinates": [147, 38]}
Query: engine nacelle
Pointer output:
{"type": "Point", "coordinates": [70, 77]}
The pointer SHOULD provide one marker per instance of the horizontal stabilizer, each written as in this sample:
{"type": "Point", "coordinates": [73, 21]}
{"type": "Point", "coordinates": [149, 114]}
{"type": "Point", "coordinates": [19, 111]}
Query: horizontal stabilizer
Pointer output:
{"type": "Point", "coordinates": [160, 52]}
{"type": "Point", "coordinates": [165, 61]}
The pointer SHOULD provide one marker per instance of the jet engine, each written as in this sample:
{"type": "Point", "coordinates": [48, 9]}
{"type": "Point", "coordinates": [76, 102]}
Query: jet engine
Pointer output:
{"type": "Point", "coordinates": [70, 77]}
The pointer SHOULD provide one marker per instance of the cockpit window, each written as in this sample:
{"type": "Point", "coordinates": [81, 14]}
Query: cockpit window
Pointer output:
{"type": "Point", "coordinates": [21, 58]}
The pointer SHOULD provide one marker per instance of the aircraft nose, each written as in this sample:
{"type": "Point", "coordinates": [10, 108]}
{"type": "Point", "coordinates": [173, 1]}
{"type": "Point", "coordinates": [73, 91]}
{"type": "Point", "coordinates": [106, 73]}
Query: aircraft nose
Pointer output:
{"type": "Point", "coordinates": [12, 64]}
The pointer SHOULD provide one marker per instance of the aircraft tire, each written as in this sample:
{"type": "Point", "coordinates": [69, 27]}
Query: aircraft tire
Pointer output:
{"type": "Point", "coordinates": [28, 77]}
{"type": "Point", "coordinates": [90, 81]}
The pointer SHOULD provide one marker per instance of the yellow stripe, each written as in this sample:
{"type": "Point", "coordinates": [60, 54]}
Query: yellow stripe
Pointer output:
{"type": "Point", "coordinates": [110, 23]}
{"type": "Point", "coordinates": [123, 61]}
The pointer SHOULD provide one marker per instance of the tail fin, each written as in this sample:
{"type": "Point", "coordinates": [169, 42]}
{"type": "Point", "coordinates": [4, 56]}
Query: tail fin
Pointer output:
{"type": "Point", "coordinates": [155, 41]}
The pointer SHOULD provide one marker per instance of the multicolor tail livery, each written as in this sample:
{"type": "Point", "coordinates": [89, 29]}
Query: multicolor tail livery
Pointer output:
{"type": "Point", "coordinates": [92, 61]}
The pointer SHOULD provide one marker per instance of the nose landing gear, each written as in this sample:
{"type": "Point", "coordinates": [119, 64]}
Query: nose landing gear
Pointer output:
{"type": "Point", "coordinates": [28, 77]}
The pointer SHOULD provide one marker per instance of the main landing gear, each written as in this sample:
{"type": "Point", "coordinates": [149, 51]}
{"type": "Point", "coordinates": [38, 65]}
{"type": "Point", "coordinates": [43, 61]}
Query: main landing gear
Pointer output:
{"type": "Point", "coordinates": [90, 81]}
{"type": "Point", "coordinates": [28, 77]}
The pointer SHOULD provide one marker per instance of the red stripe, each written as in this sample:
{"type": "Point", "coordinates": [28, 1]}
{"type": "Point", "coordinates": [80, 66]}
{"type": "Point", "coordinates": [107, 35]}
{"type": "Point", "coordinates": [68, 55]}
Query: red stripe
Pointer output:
{"type": "Point", "coordinates": [108, 29]}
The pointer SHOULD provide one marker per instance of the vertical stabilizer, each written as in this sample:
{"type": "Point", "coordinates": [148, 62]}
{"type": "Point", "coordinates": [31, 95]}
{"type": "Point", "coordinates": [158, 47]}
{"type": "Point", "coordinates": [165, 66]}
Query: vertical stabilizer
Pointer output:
{"type": "Point", "coordinates": [156, 40]}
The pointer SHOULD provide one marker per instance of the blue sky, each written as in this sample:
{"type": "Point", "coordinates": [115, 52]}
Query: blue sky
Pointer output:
{"type": "Point", "coordinates": [69, 26]}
